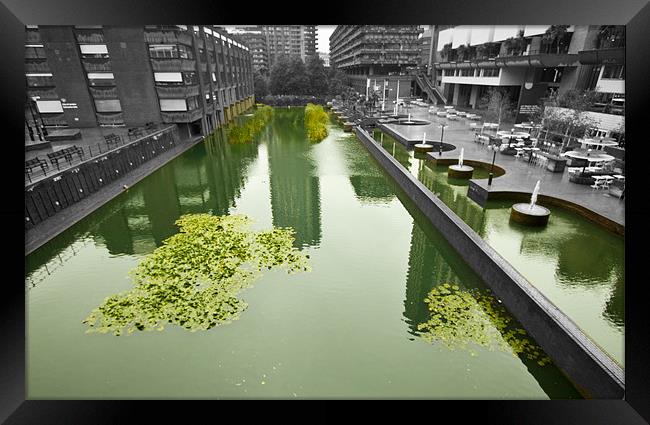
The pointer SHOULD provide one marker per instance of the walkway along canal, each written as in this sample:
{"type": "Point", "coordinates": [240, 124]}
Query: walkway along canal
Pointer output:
{"type": "Point", "coordinates": [389, 309]}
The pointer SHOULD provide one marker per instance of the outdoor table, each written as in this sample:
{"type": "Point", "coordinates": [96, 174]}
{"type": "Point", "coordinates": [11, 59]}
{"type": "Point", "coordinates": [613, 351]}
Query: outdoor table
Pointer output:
{"type": "Point", "coordinates": [619, 177]}
{"type": "Point", "coordinates": [597, 143]}
{"type": "Point", "coordinates": [555, 163]}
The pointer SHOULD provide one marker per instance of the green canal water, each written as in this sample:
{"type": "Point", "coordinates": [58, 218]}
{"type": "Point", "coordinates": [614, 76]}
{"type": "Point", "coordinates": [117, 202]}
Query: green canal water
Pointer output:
{"type": "Point", "coordinates": [575, 263]}
{"type": "Point", "coordinates": [351, 327]}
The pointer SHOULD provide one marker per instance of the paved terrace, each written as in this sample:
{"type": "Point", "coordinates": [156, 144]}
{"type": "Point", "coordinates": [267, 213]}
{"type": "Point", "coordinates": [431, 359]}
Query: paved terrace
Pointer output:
{"type": "Point", "coordinates": [520, 176]}
{"type": "Point", "coordinates": [92, 142]}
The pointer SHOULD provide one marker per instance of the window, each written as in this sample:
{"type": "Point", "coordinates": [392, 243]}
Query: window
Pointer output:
{"type": "Point", "coordinates": [101, 79]}
{"type": "Point", "coordinates": [163, 51]}
{"type": "Point", "coordinates": [168, 77]}
{"type": "Point", "coordinates": [49, 106]}
{"type": "Point", "coordinates": [91, 49]}
{"type": "Point", "coordinates": [173, 105]}
{"type": "Point", "coordinates": [40, 80]}
{"type": "Point", "coordinates": [616, 72]}
{"type": "Point", "coordinates": [491, 72]}
{"type": "Point", "coordinates": [35, 51]}
{"type": "Point", "coordinates": [193, 103]}
{"type": "Point", "coordinates": [109, 105]}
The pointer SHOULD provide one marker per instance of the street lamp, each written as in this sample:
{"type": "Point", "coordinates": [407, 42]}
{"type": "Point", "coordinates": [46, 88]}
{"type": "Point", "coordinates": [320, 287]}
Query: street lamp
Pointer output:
{"type": "Point", "coordinates": [442, 135]}
{"type": "Point", "coordinates": [494, 156]}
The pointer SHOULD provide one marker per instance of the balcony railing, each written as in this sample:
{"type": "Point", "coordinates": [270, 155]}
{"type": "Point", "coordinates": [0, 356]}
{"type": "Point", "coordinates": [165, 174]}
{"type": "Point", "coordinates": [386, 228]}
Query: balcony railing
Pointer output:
{"type": "Point", "coordinates": [110, 119]}
{"type": "Point", "coordinates": [57, 120]}
{"type": "Point", "coordinates": [96, 37]}
{"type": "Point", "coordinates": [43, 94]}
{"type": "Point", "coordinates": [602, 56]}
{"type": "Point", "coordinates": [103, 66]}
{"type": "Point", "coordinates": [104, 93]}
{"type": "Point", "coordinates": [175, 117]}
{"type": "Point", "coordinates": [167, 37]}
{"type": "Point", "coordinates": [37, 67]}
{"type": "Point", "coordinates": [177, 92]}
{"type": "Point", "coordinates": [173, 64]}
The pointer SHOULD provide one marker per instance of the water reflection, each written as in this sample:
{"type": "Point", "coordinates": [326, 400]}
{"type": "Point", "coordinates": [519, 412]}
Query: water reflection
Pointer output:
{"type": "Point", "coordinates": [432, 264]}
{"type": "Point", "coordinates": [295, 189]}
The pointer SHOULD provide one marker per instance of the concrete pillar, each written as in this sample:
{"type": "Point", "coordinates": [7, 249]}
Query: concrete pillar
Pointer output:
{"type": "Point", "coordinates": [473, 96]}
{"type": "Point", "coordinates": [456, 91]}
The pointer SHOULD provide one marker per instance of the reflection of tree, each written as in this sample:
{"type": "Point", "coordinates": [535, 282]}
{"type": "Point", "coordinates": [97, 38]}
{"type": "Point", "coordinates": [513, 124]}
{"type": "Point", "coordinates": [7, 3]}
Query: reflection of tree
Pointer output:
{"type": "Point", "coordinates": [226, 165]}
{"type": "Point", "coordinates": [295, 189]}
{"type": "Point", "coordinates": [366, 178]}
{"type": "Point", "coordinates": [587, 259]}
{"type": "Point", "coordinates": [615, 306]}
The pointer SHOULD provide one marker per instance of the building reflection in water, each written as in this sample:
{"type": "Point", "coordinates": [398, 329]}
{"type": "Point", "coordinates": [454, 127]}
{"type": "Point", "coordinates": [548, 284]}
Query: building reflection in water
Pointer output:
{"type": "Point", "coordinates": [295, 189]}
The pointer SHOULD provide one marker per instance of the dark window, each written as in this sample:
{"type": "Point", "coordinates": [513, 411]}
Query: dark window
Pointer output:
{"type": "Point", "coordinates": [614, 72]}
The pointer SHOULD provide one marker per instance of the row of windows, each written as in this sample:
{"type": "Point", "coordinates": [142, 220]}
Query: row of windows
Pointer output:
{"type": "Point", "coordinates": [469, 72]}
{"type": "Point", "coordinates": [170, 51]}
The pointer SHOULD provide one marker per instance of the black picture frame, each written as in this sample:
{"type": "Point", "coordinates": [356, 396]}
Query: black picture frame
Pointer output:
{"type": "Point", "coordinates": [635, 14]}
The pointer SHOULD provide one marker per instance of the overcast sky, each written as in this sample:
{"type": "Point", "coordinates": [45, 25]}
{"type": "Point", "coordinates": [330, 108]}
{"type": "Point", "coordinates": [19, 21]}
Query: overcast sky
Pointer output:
{"type": "Point", "coordinates": [323, 32]}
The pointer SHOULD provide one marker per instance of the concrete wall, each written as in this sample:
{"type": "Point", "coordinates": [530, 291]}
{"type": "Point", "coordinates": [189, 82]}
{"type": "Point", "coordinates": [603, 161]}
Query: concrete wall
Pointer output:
{"type": "Point", "coordinates": [591, 370]}
{"type": "Point", "coordinates": [133, 75]}
{"type": "Point", "coordinates": [69, 76]}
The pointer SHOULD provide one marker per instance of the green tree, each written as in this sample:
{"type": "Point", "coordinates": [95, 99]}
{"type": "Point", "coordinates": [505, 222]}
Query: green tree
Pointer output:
{"type": "Point", "coordinates": [318, 83]}
{"type": "Point", "coordinates": [260, 84]}
{"type": "Point", "coordinates": [289, 76]}
{"type": "Point", "coordinates": [498, 104]}
{"type": "Point", "coordinates": [553, 36]}
{"type": "Point", "coordinates": [337, 82]}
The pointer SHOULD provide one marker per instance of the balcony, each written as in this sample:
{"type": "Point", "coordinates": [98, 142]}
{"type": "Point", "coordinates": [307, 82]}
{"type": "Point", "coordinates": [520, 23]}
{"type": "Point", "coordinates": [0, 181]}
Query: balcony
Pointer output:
{"type": "Point", "coordinates": [176, 117]}
{"type": "Point", "coordinates": [110, 119]}
{"type": "Point", "coordinates": [43, 94]}
{"type": "Point", "coordinates": [167, 37]}
{"type": "Point", "coordinates": [166, 65]}
{"type": "Point", "coordinates": [177, 92]}
{"type": "Point", "coordinates": [546, 60]}
{"type": "Point", "coordinates": [103, 93]}
{"type": "Point", "coordinates": [37, 67]}
{"type": "Point", "coordinates": [602, 56]}
{"type": "Point", "coordinates": [55, 120]}
{"type": "Point", "coordinates": [32, 36]}
{"type": "Point", "coordinates": [100, 66]}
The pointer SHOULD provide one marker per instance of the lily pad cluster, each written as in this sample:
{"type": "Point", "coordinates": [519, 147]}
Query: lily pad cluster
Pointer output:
{"type": "Point", "coordinates": [316, 120]}
{"type": "Point", "coordinates": [192, 280]}
{"type": "Point", "coordinates": [461, 319]}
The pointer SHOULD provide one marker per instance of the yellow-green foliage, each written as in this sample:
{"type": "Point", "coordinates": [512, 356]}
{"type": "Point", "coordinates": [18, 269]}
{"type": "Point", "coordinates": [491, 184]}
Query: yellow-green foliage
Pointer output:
{"type": "Point", "coordinates": [316, 120]}
{"type": "Point", "coordinates": [247, 131]}
{"type": "Point", "coordinates": [194, 278]}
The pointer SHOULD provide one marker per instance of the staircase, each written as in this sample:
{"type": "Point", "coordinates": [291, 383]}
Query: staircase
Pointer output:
{"type": "Point", "coordinates": [427, 86]}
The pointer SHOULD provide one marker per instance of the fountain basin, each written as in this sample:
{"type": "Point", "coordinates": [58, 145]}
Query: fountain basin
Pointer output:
{"type": "Point", "coordinates": [423, 147]}
{"type": "Point", "coordinates": [460, 171]}
{"type": "Point", "coordinates": [411, 122]}
{"type": "Point", "coordinates": [537, 216]}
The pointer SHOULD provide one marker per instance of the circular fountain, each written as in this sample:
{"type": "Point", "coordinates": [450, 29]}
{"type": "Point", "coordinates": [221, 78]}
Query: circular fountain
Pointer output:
{"type": "Point", "coordinates": [424, 146]}
{"type": "Point", "coordinates": [530, 214]}
{"type": "Point", "coordinates": [460, 171]}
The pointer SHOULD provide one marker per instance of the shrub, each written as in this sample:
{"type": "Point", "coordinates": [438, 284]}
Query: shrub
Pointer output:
{"type": "Point", "coordinates": [246, 132]}
{"type": "Point", "coordinates": [316, 120]}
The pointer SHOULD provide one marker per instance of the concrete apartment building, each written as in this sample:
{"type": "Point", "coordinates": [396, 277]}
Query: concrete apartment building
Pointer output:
{"type": "Point", "coordinates": [531, 64]}
{"type": "Point", "coordinates": [270, 41]}
{"type": "Point", "coordinates": [377, 58]}
{"type": "Point", "coordinates": [197, 77]}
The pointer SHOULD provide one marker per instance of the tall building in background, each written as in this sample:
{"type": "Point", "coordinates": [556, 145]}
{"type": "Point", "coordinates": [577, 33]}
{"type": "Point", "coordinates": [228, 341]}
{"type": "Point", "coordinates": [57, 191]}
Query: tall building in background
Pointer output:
{"type": "Point", "coordinates": [197, 77]}
{"type": "Point", "coordinates": [270, 41]}
{"type": "Point", "coordinates": [325, 57]}
{"type": "Point", "coordinates": [254, 38]}
{"type": "Point", "coordinates": [376, 57]}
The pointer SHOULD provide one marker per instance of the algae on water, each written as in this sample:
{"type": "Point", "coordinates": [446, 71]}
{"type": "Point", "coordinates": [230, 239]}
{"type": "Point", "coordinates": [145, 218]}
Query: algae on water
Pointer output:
{"type": "Point", "coordinates": [193, 279]}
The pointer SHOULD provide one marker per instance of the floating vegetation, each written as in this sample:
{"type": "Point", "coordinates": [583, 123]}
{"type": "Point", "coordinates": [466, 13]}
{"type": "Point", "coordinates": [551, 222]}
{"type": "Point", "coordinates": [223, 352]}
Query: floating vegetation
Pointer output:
{"type": "Point", "coordinates": [316, 120]}
{"type": "Point", "coordinates": [460, 318]}
{"type": "Point", "coordinates": [193, 279]}
{"type": "Point", "coordinates": [247, 131]}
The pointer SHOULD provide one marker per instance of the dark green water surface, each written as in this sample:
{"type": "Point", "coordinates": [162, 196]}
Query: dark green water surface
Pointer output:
{"type": "Point", "coordinates": [575, 263]}
{"type": "Point", "coordinates": [348, 328]}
